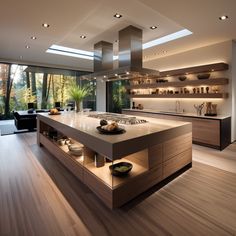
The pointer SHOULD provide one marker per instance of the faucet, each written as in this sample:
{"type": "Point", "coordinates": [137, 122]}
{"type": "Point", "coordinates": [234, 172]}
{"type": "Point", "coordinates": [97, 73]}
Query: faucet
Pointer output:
{"type": "Point", "coordinates": [177, 106]}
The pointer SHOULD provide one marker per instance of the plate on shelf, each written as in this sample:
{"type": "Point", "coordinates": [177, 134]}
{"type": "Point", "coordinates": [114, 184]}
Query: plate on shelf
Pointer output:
{"type": "Point", "coordinates": [118, 130]}
{"type": "Point", "coordinates": [58, 113]}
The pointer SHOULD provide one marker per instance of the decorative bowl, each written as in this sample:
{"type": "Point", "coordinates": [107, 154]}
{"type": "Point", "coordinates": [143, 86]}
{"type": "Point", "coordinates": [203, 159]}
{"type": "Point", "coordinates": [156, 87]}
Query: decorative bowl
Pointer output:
{"type": "Point", "coordinates": [120, 168]}
{"type": "Point", "coordinates": [203, 76]}
{"type": "Point", "coordinates": [182, 78]}
{"type": "Point", "coordinates": [75, 149]}
{"type": "Point", "coordinates": [118, 130]}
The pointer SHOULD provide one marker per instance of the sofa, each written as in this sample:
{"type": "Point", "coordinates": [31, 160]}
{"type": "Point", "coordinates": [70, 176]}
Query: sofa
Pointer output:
{"type": "Point", "coordinates": [27, 119]}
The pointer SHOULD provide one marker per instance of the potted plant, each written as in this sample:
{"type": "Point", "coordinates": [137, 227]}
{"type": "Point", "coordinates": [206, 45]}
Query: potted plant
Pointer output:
{"type": "Point", "coordinates": [78, 93]}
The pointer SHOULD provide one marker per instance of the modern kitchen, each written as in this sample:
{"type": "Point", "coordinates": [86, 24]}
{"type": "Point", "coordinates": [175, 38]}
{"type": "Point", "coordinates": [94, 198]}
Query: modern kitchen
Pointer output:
{"type": "Point", "coordinates": [148, 149]}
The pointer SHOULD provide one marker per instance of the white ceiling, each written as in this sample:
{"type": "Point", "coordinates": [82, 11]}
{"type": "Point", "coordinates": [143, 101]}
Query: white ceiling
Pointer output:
{"type": "Point", "coordinates": [19, 20]}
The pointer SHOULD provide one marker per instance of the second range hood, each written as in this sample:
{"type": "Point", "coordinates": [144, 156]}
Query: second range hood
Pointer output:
{"type": "Point", "coordinates": [130, 58]}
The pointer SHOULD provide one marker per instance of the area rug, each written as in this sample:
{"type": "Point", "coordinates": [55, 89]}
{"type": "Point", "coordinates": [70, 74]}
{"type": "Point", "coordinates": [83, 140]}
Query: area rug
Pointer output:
{"type": "Point", "coordinates": [7, 129]}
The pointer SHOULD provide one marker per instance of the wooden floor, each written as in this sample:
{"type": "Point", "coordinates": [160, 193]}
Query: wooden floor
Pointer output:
{"type": "Point", "coordinates": [38, 196]}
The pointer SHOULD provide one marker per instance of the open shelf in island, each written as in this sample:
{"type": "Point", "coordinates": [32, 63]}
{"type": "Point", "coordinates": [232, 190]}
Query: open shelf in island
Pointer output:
{"type": "Point", "coordinates": [103, 173]}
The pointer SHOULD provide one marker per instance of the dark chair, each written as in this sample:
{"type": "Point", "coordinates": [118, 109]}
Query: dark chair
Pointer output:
{"type": "Point", "coordinates": [58, 106]}
{"type": "Point", "coordinates": [32, 105]}
{"type": "Point", "coordinates": [25, 120]}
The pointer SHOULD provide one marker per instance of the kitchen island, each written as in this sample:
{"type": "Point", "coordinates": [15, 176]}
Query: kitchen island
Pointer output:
{"type": "Point", "coordinates": [156, 149]}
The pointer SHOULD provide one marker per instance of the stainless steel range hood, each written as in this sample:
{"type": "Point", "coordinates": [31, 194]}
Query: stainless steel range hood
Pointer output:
{"type": "Point", "coordinates": [130, 58]}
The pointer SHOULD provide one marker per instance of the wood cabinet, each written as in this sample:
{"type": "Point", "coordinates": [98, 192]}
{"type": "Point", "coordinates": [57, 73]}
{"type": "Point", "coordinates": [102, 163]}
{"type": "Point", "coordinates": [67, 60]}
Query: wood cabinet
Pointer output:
{"type": "Point", "coordinates": [215, 133]}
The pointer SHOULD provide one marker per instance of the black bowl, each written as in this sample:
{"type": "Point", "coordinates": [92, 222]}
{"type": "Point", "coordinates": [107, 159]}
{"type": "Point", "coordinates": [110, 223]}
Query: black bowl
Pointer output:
{"type": "Point", "coordinates": [203, 76]}
{"type": "Point", "coordinates": [182, 78]}
{"type": "Point", "coordinates": [120, 168]}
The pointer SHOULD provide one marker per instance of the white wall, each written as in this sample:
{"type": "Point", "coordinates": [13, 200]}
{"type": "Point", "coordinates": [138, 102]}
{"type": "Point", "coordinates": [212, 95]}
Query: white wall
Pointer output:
{"type": "Point", "coordinates": [221, 52]}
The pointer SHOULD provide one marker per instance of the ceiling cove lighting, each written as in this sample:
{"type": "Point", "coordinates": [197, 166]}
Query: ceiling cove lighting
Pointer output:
{"type": "Point", "coordinates": [117, 15]}
{"type": "Point", "coordinates": [167, 38]}
{"type": "Point", "coordinates": [45, 25]}
{"type": "Point", "coordinates": [56, 49]}
{"type": "Point", "coordinates": [224, 17]}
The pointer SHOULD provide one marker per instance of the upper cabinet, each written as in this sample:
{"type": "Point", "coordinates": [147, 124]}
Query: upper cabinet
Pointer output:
{"type": "Point", "coordinates": [192, 82]}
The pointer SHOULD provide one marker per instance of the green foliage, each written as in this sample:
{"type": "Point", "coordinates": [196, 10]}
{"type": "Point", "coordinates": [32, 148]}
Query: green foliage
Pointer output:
{"type": "Point", "coordinates": [118, 96]}
{"type": "Point", "coordinates": [22, 97]}
{"type": "Point", "coordinates": [78, 93]}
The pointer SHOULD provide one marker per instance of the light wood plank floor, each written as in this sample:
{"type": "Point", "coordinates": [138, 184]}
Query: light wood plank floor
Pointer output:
{"type": "Point", "coordinates": [38, 196]}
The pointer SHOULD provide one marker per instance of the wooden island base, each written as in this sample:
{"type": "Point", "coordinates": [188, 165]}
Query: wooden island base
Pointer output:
{"type": "Point", "coordinates": [163, 150]}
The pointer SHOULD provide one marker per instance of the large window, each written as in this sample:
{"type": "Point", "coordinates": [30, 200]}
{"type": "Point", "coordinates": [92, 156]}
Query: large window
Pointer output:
{"type": "Point", "coordinates": [117, 97]}
{"type": "Point", "coordinates": [21, 84]}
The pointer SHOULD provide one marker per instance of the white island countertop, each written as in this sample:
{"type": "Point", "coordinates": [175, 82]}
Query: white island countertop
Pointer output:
{"type": "Point", "coordinates": [137, 137]}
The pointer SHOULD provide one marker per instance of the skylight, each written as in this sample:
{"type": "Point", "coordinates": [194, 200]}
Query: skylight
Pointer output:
{"type": "Point", "coordinates": [167, 38]}
{"type": "Point", "coordinates": [56, 49]}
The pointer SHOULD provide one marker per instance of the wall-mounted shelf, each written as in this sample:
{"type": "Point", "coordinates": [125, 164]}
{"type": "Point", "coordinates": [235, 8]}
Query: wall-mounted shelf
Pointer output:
{"type": "Point", "coordinates": [186, 95]}
{"type": "Point", "coordinates": [206, 82]}
{"type": "Point", "coordinates": [179, 89]}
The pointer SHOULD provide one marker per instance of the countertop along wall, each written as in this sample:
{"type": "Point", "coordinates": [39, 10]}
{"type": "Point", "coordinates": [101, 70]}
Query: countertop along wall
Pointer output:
{"type": "Point", "coordinates": [221, 52]}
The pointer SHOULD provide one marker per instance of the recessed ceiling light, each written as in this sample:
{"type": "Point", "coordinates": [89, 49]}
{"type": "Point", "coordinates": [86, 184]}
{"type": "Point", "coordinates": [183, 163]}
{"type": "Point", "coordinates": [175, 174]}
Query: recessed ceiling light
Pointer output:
{"type": "Point", "coordinates": [33, 37]}
{"type": "Point", "coordinates": [45, 25]}
{"type": "Point", "coordinates": [223, 17]}
{"type": "Point", "coordinates": [27, 46]}
{"type": "Point", "coordinates": [83, 36]}
{"type": "Point", "coordinates": [21, 57]}
{"type": "Point", "coordinates": [117, 15]}
{"type": "Point", "coordinates": [153, 27]}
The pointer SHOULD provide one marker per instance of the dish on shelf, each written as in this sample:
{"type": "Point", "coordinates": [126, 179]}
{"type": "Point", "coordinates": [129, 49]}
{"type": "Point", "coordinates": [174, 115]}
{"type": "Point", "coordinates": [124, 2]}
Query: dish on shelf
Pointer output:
{"type": "Point", "coordinates": [182, 78]}
{"type": "Point", "coordinates": [118, 130]}
{"type": "Point", "coordinates": [120, 168]}
{"type": "Point", "coordinates": [61, 142]}
{"type": "Point", "coordinates": [203, 76]}
{"type": "Point", "coordinates": [211, 114]}
{"type": "Point", "coordinates": [76, 150]}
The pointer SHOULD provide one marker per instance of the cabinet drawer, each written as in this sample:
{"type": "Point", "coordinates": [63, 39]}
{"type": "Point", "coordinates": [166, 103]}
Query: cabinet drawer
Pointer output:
{"type": "Point", "coordinates": [176, 163]}
{"type": "Point", "coordinates": [176, 145]}
{"type": "Point", "coordinates": [206, 131]}
{"type": "Point", "coordinates": [98, 187]}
